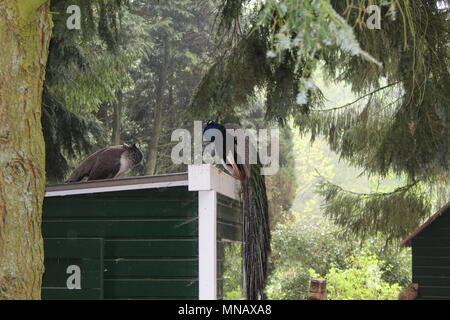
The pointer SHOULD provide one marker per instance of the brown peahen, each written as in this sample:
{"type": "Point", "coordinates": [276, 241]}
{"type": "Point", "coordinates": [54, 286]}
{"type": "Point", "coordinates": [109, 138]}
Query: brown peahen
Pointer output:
{"type": "Point", "coordinates": [107, 163]}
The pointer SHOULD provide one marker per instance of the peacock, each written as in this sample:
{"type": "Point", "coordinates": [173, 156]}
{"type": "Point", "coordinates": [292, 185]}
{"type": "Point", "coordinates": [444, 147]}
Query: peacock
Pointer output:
{"type": "Point", "coordinates": [255, 207]}
{"type": "Point", "coordinates": [107, 163]}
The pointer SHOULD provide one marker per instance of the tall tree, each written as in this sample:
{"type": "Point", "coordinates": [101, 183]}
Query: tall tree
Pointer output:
{"type": "Point", "coordinates": [399, 123]}
{"type": "Point", "coordinates": [126, 76]}
{"type": "Point", "coordinates": [86, 69]}
{"type": "Point", "coordinates": [160, 104]}
{"type": "Point", "coordinates": [116, 138]}
{"type": "Point", "coordinates": [25, 31]}
{"type": "Point", "coordinates": [177, 40]}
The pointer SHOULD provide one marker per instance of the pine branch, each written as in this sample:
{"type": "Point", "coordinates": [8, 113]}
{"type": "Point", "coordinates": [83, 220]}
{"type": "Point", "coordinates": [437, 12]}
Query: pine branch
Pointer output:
{"type": "Point", "coordinates": [401, 189]}
{"type": "Point", "coordinates": [373, 194]}
{"type": "Point", "coordinates": [370, 94]}
{"type": "Point", "coordinates": [392, 214]}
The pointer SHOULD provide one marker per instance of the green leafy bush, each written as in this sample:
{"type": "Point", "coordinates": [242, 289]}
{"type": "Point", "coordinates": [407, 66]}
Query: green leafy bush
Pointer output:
{"type": "Point", "coordinates": [289, 283]}
{"type": "Point", "coordinates": [361, 280]}
{"type": "Point", "coordinates": [305, 250]}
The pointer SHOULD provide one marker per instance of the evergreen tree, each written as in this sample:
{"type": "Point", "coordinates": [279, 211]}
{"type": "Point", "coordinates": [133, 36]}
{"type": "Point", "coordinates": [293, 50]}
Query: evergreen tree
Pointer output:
{"type": "Point", "coordinates": [178, 42]}
{"type": "Point", "coordinates": [85, 69]}
{"type": "Point", "coordinates": [126, 76]}
{"type": "Point", "coordinates": [281, 187]}
{"type": "Point", "coordinates": [399, 123]}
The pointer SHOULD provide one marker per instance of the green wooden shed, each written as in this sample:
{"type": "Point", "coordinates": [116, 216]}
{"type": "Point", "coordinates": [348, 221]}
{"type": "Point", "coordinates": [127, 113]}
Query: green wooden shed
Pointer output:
{"type": "Point", "coordinates": [430, 245]}
{"type": "Point", "coordinates": [158, 237]}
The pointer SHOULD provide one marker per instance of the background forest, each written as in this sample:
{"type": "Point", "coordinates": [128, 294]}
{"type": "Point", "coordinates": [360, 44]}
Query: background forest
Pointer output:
{"type": "Point", "coordinates": [364, 150]}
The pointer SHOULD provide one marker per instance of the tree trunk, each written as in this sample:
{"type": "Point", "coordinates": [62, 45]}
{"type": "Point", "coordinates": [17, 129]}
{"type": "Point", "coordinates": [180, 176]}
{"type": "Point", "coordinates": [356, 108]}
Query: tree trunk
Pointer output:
{"type": "Point", "coordinates": [155, 134]}
{"type": "Point", "coordinates": [25, 30]}
{"type": "Point", "coordinates": [317, 290]}
{"type": "Point", "coordinates": [117, 120]}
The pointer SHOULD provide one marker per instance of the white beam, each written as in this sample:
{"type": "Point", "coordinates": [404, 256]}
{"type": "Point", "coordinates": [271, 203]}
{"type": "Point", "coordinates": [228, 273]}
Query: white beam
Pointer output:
{"type": "Point", "coordinates": [207, 245]}
{"type": "Point", "coordinates": [206, 177]}
{"type": "Point", "coordinates": [116, 188]}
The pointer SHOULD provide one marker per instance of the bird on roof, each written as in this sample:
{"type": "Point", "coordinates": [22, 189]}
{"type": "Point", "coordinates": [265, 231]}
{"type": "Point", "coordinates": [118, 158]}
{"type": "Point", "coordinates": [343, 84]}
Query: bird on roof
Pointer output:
{"type": "Point", "coordinates": [107, 163]}
{"type": "Point", "coordinates": [255, 205]}
{"type": "Point", "coordinates": [230, 158]}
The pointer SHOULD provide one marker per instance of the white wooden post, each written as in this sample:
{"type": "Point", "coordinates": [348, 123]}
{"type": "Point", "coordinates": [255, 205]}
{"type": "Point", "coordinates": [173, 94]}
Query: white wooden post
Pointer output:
{"type": "Point", "coordinates": [209, 181]}
{"type": "Point", "coordinates": [207, 245]}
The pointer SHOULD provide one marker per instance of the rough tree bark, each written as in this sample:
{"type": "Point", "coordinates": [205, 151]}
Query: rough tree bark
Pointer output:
{"type": "Point", "coordinates": [117, 120]}
{"type": "Point", "coordinates": [155, 134]}
{"type": "Point", "coordinates": [25, 30]}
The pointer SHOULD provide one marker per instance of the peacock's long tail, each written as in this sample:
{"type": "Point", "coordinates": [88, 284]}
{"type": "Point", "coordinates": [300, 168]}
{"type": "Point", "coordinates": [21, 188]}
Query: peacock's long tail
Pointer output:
{"type": "Point", "coordinates": [256, 234]}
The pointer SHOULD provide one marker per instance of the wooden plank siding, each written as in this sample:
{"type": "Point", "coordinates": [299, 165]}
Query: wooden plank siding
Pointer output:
{"type": "Point", "coordinates": [63, 253]}
{"type": "Point", "coordinates": [229, 228]}
{"type": "Point", "coordinates": [431, 260]}
{"type": "Point", "coordinates": [149, 237]}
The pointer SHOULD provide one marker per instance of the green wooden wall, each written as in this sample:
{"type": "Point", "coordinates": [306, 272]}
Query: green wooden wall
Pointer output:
{"type": "Point", "coordinates": [145, 241]}
{"type": "Point", "coordinates": [431, 260]}
{"type": "Point", "coordinates": [229, 228]}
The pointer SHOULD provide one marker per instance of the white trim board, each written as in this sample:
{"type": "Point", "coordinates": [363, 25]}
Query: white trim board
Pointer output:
{"type": "Point", "coordinates": [117, 188]}
{"type": "Point", "coordinates": [207, 245]}
{"type": "Point", "coordinates": [200, 178]}
{"type": "Point", "coordinates": [209, 181]}
{"type": "Point", "coordinates": [205, 177]}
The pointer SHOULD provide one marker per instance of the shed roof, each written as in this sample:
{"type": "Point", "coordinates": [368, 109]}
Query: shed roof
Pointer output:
{"type": "Point", "coordinates": [407, 241]}
{"type": "Point", "coordinates": [204, 177]}
{"type": "Point", "coordinates": [133, 183]}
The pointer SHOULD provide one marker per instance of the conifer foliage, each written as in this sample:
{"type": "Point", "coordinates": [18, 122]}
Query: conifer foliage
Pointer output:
{"type": "Point", "coordinates": [84, 69]}
{"type": "Point", "coordinates": [397, 126]}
